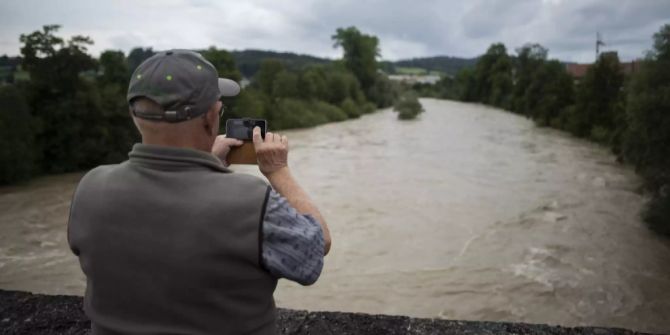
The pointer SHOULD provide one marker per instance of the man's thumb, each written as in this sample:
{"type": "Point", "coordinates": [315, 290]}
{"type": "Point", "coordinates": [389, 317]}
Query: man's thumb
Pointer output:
{"type": "Point", "coordinates": [257, 136]}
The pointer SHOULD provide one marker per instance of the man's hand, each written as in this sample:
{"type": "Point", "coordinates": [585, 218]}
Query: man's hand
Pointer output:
{"type": "Point", "coordinates": [222, 146]}
{"type": "Point", "coordinates": [272, 153]}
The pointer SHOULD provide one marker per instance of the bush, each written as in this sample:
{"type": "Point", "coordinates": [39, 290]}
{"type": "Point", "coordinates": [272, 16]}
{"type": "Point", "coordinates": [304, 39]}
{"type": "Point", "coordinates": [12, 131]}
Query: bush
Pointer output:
{"type": "Point", "coordinates": [350, 108]}
{"type": "Point", "coordinates": [408, 106]}
{"type": "Point", "coordinates": [657, 214]}
{"type": "Point", "coordinates": [17, 147]}
{"type": "Point", "coordinates": [368, 108]}
{"type": "Point", "coordinates": [331, 112]}
{"type": "Point", "coordinates": [383, 92]}
{"type": "Point", "coordinates": [294, 113]}
{"type": "Point", "coordinates": [600, 134]}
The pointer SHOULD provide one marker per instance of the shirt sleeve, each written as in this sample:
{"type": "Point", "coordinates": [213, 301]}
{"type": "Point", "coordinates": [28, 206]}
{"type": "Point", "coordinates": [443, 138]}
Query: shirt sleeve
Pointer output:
{"type": "Point", "coordinates": [292, 245]}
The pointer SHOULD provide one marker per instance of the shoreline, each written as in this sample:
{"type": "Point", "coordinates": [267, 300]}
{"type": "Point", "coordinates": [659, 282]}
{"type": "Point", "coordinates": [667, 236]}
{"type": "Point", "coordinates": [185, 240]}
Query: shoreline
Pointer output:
{"type": "Point", "coordinates": [28, 313]}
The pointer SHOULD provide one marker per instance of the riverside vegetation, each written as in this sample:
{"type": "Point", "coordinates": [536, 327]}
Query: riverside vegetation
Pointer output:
{"type": "Point", "coordinates": [630, 114]}
{"type": "Point", "coordinates": [66, 111]}
{"type": "Point", "coordinates": [408, 106]}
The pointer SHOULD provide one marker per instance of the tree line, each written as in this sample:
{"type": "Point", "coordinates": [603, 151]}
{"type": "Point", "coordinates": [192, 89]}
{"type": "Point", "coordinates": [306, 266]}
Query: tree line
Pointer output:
{"type": "Point", "coordinates": [70, 112]}
{"type": "Point", "coordinates": [629, 114]}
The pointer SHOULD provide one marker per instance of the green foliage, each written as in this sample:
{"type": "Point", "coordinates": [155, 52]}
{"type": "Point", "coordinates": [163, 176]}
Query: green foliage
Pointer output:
{"type": "Point", "coordinates": [332, 113]}
{"type": "Point", "coordinates": [599, 97]}
{"type": "Point", "coordinates": [384, 92]}
{"type": "Point", "coordinates": [223, 62]}
{"type": "Point", "coordinates": [549, 92]}
{"type": "Point", "coordinates": [294, 113]}
{"type": "Point", "coordinates": [408, 106]}
{"type": "Point", "coordinates": [285, 85]}
{"type": "Point", "coordinates": [445, 88]}
{"type": "Point", "coordinates": [360, 54]}
{"type": "Point", "coordinates": [661, 50]}
{"type": "Point", "coordinates": [79, 119]}
{"type": "Point", "coordinates": [114, 67]}
{"type": "Point", "coordinates": [265, 77]}
{"type": "Point", "coordinates": [656, 214]}
{"type": "Point", "coordinates": [493, 77]}
{"type": "Point", "coordinates": [529, 58]}
{"type": "Point", "coordinates": [137, 56]}
{"type": "Point", "coordinates": [646, 137]}
{"type": "Point", "coordinates": [17, 148]}
{"type": "Point", "coordinates": [350, 108]}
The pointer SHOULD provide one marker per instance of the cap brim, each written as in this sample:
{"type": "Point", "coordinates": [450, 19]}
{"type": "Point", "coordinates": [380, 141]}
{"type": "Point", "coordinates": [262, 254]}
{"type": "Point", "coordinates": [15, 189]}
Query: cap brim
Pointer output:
{"type": "Point", "coordinates": [228, 88]}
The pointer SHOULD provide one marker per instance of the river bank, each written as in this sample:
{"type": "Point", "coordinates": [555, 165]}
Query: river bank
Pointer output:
{"type": "Point", "coordinates": [26, 313]}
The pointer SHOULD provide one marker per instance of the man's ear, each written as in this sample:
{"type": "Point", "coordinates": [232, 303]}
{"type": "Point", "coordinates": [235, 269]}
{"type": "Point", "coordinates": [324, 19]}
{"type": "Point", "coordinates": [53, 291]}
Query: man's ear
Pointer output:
{"type": "Point", "coordinates": [210, 120]}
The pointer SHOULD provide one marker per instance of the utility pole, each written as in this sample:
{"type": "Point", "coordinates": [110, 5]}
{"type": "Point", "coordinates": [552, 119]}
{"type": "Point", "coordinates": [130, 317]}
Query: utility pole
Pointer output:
{"type": "Point", "coordinates": [599, 42]}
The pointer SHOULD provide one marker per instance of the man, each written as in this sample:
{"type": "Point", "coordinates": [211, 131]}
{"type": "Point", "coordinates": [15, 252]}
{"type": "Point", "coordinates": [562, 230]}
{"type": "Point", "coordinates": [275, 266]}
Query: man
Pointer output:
{"type": "Point", "coordinates": [172, 242]}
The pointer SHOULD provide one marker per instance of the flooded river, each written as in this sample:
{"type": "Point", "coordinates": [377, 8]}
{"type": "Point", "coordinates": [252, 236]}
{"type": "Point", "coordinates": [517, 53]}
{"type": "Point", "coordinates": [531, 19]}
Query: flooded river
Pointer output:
{"type": "Point", "coordinates": [466, 213]}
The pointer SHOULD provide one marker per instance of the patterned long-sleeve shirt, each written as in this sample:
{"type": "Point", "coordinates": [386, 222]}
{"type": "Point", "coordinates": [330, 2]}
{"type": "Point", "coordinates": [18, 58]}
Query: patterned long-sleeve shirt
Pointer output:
{"type": "Point", "coordinates": [292, 244]}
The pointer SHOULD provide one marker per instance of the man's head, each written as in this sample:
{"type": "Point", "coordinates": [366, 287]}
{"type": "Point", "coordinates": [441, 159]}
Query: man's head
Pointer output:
{"type": "Point", "coordinates": [174, 99]}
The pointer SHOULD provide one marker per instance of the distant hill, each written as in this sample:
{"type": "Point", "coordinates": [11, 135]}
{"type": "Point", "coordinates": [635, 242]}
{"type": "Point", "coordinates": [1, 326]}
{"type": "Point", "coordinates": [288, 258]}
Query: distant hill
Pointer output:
{"type": "Point", "coordinates": [249, 61]}
{"type": "Point", "coordinates": [442, 64]}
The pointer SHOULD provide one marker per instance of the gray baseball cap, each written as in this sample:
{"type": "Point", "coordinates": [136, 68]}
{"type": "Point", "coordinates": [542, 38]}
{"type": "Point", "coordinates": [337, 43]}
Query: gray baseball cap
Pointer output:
{"type": "Point", "coordinates": [183, 82]}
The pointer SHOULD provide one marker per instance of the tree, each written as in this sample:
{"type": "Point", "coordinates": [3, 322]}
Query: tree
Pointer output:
{"type": "Point", "coordinates": [223, 62]}
{"type": "Point", "coordinates": [267, 74]}
{"type": "Point", "coordinates": [384, 92]}
{"type": "Point", "coordinates": [17, 150]}
{"type": "Point", "coordinates": [599, 100]}
{"type": "Point", "coordinates": [64, 99]}
{"type": "Point", "coordinates": [646, 141]}
{"type": "Point", "coordinates": [549, 92]}
{"type": "Point", "coordinates": [285, 85]}
{"type": "Point", "coordinates": [467, 86]}
{"type": "Point", "coordinates": [360, 54]}
{"type": "Point", "coordinates": [114, 68]}
{"type": "Point", "coordinates": [529, 58]}
{"type": "Point", "coordinates": [492, 78]}
{"type": "Point", "coordinates": [54, 65]}
{"type": "Point", "coordinates": [661, 49]}
{"type": "Point", "coordinates": [137, 56]}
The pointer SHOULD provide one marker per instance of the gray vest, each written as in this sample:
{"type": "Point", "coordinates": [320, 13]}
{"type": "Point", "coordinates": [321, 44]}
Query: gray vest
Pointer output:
{"type": "Point", "coordinates": [170, 244]}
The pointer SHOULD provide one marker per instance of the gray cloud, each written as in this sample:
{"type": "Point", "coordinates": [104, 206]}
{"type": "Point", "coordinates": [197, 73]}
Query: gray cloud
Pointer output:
{"type": "Point", "coordinates": [405, 28]}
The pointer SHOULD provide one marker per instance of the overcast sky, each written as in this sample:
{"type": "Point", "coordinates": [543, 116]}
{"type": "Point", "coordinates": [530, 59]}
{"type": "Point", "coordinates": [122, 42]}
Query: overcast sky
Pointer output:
{"type": "Point", "coordinates": [406, 29]}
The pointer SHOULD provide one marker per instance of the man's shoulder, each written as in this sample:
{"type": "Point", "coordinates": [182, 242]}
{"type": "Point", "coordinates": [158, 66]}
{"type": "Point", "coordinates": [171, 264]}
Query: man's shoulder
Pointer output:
{"type": "Point", "coordinates": [246, 178]}
{"type": "Point", "coordinates": [100, 171]}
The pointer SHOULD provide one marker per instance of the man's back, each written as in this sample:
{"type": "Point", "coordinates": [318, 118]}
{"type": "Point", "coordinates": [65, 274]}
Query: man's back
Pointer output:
{"type": "Point", "coordinates": [176, 244]}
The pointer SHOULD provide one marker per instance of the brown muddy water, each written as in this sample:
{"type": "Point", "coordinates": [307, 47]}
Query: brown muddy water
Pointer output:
{"type": "Point", "coordinates": [466, 213]}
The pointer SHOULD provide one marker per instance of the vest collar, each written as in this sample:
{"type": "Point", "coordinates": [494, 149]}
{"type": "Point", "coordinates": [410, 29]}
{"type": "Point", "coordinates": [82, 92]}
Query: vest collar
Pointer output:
{"type": "Point", "coordinates": [165, 155]}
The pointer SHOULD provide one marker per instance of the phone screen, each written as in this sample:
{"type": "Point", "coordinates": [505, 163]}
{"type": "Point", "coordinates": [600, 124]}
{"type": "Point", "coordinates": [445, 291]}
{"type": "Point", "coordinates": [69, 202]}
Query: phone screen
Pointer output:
{"type": "Point", "coordinates": [242, 129]}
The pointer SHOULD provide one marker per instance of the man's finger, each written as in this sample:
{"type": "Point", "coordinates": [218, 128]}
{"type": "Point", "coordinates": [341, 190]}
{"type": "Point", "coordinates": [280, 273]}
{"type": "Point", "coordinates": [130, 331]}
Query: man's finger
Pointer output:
{"type": "Point", "coordinates": [269, 137]}
{"type": "Point", "coordinates": [257, 136]}
{"type": "Point", "coordinates": [233, 142]}
{"type": "Point", "coordinates": [284, 139]}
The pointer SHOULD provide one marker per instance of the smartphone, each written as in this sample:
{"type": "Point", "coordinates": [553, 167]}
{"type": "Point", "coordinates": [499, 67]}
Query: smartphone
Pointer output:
{"type": "Point", "coordinates": [242, 129]}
